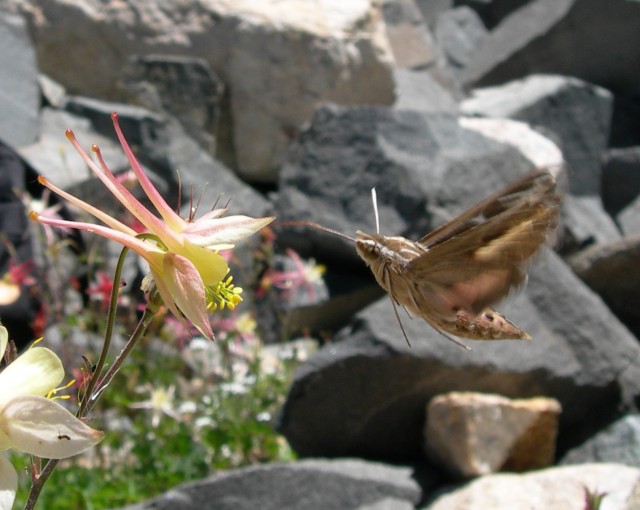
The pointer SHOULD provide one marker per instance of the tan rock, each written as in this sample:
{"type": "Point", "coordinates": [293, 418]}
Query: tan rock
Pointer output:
{"type": "Point", "coordinates": [558, 488]}
{"type": "Point", "coordinates": [278, 59]}
{"type": "Point", "coordinates": [474, 434]}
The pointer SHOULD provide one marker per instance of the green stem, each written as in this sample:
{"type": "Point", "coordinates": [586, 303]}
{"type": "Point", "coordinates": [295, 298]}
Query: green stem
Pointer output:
{"type": "Point", "coordinates": [96, 384]}
{"type": "Point", "coordinates": [111, 319]}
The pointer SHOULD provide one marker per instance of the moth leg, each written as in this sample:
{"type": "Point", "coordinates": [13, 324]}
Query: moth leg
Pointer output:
{"type": "Point", "coordinates": [393, 304]}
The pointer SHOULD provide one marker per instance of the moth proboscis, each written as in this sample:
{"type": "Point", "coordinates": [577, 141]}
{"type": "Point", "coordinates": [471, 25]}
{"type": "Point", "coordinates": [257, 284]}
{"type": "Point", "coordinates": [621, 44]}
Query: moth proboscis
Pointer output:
{"type": "Point", "coordinates": [452, 276]}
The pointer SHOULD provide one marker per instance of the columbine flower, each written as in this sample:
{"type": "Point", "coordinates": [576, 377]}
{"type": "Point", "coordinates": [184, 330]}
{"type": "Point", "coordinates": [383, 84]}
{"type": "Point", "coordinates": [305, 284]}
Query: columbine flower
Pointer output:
{"type": "Point", "coordinates": [32, 423]}
{"type": "Point", "coordinates": [183, 254]}
{"type": "Point", "coordinates": [306, 274]}
{"type": "Point", "coordinates": [161, 401]}
{"type": "Point", "coordinates": [102, 288]}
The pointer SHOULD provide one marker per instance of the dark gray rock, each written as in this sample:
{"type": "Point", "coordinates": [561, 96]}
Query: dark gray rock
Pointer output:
{"type": "Point", "coordinates": [610, 270]}
{"type": "Point", "coordinates": [493, 12]}
{"type": "Point", "coordinates": [19, 92]}
{"type": "Point", "coordinates": [569, 37]}
{"type": "Point", "coordinates": [625, 125]}
{"type": "Point", "coordinates": [620, 178]}
{"type": "Point", "coordinates": [584, 223]}
{"type": "Point", "coordinates": [309, 484]}
{"type": "Point", "coordinates": [619, 442]}
{"type": "Point", "coordinates": [165, 147]}
{"type": "Point", "coordinates": [184, 87]}
{"type": "Point", "coordinates": [575, 113]}
{"type": "Point", "coordinates": [366, 393]}
{"type": "Point", "coordinates": [426, 168]}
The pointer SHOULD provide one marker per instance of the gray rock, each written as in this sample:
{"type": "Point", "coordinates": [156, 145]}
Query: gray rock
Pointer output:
{"type": "Point", "coordinates": [493, 12]}
{"type": "Point", "coordinates": [426, 168]}
{"type": "Point", "coordinates": [419, 90]}
{"type": "Point", "coordinates": [411, 42]}
{"type": "Point", "coordinates": [278, 61]}
{"type": "Point", "coordinates": [365, 393]}
{"type": "Point", "coordinates": [568, 37]}
{"type": "Point", "coordinates": [609, 269]}
{"type": "Point", "coordinates": [184, 87]}
{"type": "Point", "coordinates": [308, 484]}
{"type": "Point", "coordinates": [585, 223]}
{"type": "Point", "coordinates": [629, 218]}
{"type": "Point", "coordinates": [619, 442]}
{"type": "Point", "coordinates": [19, 92]}
{"type": "Point", "coordinates": [620, 178]}
{"type": "Point", "coordinates": [577, 114]}
{"type": "Point", "coordinates": [459, 33]}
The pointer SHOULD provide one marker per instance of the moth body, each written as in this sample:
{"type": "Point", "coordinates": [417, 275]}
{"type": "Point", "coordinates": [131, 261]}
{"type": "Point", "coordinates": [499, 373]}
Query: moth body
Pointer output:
{"type": "Point", "coordinates": [452, 276]}
{"type": "Point", "coordinates": [390, 258]}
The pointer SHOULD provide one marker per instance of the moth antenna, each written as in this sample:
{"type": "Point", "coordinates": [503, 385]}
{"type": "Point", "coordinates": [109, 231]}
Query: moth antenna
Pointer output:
{"type": "Point", "coordinates": [374, 198]}
{"type": "Point", "coordinates": [305, 223]}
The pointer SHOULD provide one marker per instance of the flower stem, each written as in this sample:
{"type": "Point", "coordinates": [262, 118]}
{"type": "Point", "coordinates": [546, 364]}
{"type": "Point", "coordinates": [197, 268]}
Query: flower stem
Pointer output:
{"type": "Point", "coordinates": [97, 384]}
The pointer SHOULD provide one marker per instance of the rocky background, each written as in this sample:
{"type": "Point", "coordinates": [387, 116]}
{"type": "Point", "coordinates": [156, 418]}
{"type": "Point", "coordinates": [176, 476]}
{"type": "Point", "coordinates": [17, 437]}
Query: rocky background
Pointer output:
{"type": "Point", "coordinates": [299, 108]}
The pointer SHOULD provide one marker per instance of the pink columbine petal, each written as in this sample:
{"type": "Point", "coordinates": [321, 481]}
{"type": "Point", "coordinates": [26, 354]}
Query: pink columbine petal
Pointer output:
{"type": "Point", "coordinates": [41, 427]}
{"type": "Point", "coordinates": [94, 211]}
{"type": "Point", "coordinates": [172, 219]}
{"type": "Point", "coordinates": [185, 284]}
{"type": "Point", "coordinates": [124, 196]}
{"type": "Point", "coordinates": [145, 249]}
{"type": "Point", "coordinates": [8, 484]}
{"type": "Point", "coordinates": [222, 232]}
{"type": "Point", "coordinates": [35, 372]}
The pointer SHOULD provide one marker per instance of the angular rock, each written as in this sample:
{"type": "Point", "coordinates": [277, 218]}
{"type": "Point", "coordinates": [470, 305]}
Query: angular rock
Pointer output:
{"type": "Point", "coordinates": [557, 488]}
{"type": "Point", "coordinates": [629, 219]}
{"type": "Point", "coordinates": [537, 148]}
{"type": "Point", "coordinates": [459, 33]}
{"type": "Point", "coordinates": [568, 37]}
{"type": "Point", "coordinates": [432, 9]}
{"type": "Point", "coordinates": [609, 269]}
{"type": "Point", "coordinates": [308, 484]}
{"type": "Point", "coordinates": [577, 113]}
{"type": "Point", "coordinates": [619, 442]}
{"type": "Point", "coordinates": [55, 158]}
{"type": "Point", "coordinates": [475, 434]}
{"type": "Point", "coordinates": [620, 178]}
{"type": "Point", "coordinates": [409, 38]}
{"type": "Point", "coordinates": [19, 92]}
{"type": "Point", "coordinates": [278, 59]}
{"type": "Point", "coordinates": [585, 223]}
{"type": "Point", "coordinates": [421, 164]}
{"type": "Point", "coordinates": [184, 87]}
{"type": "Point", "coordinates": [492, 12]}
{"type": "Point", "coordinates": [419, 90]}
{"type": "Point", "coordinates": [365, 394]}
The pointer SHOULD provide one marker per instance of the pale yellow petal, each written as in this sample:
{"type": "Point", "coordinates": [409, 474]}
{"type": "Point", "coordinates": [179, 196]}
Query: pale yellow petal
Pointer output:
{"type": "Point", "coordinates": [41, 427]}
{"type": "Point", "coordinates": [8, 484]}
{"type": "Point", "coordinates": [35, 372]}
{"type": "Point", "coordinates": [4, 340]}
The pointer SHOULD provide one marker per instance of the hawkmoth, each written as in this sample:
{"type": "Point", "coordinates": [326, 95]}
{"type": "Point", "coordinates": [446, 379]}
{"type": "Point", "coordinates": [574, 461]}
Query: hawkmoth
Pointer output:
{"type": "Point", "coordinates": [452, 276]}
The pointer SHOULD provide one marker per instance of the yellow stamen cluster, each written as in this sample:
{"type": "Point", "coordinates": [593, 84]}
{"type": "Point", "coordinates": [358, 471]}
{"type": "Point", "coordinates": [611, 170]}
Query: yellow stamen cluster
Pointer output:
{"type": "Point", "coordinates": [223, 295]}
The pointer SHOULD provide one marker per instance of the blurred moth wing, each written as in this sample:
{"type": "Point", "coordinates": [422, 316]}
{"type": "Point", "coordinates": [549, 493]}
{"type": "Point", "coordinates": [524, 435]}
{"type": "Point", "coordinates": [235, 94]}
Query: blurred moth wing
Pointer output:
{"type": "Point", "coordinates": [452, 276]}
